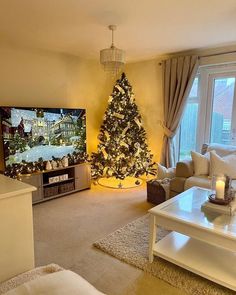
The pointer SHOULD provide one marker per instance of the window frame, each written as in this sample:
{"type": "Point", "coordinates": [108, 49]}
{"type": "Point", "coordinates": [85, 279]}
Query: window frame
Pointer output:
{"type": "Point", "coordinates": [206, 76]}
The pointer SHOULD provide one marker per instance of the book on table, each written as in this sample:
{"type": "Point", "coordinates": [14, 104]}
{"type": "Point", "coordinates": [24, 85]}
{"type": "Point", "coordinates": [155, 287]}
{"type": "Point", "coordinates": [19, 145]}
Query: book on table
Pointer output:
{"type": "Point", "coordinates": [229, 209]}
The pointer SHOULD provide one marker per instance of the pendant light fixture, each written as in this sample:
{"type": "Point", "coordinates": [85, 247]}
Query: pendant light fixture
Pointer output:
{"type": "Point", "coordinates": [112, 59]}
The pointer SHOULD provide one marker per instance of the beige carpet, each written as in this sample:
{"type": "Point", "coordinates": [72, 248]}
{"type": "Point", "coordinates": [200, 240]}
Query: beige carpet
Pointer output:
{"type": "Point", "coordinates": [66, 228]}
{"type": "Point", "coordinates": [130, 244]}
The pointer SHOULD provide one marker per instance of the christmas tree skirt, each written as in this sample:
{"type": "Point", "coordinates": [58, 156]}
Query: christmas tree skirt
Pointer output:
{"type": "Point", "coordinates": [113, 182]}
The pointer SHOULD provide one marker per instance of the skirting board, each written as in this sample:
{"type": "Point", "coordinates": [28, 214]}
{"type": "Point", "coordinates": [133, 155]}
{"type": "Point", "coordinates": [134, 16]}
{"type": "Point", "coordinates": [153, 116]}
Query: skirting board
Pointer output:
{"type": "Point", "coordinates": [211, 262]}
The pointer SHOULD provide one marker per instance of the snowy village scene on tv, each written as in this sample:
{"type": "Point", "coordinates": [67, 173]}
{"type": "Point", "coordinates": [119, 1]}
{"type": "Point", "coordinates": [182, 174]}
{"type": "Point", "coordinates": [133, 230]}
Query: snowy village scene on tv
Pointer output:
{"type": "Point", "coordinates": [36, 138]}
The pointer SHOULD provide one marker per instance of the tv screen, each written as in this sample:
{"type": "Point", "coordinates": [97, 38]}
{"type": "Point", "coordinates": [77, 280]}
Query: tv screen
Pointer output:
{"type": "Point", "coordinates": [32, 135]}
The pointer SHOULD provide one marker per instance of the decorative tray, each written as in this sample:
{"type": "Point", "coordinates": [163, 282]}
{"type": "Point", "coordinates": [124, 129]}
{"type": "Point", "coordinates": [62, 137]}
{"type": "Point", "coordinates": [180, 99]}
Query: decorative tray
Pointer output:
{"type": "Point", "coordinates": [212, 198]}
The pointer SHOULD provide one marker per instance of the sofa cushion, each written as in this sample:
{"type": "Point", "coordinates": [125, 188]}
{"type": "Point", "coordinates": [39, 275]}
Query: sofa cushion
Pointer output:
{"type": "Point", "coordinates": [201, 163]}
{"type": "Point", "coordinates": [225, 165]}
{"type": "Point", "coordinates": [222, 149]}
{"type": "Point", "coordinates": [163, 172]}
{"type": "Point", "coordinates": [202, 181]}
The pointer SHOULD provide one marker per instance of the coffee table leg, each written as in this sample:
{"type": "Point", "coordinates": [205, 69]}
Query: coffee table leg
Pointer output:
{"type": "Point", "coordinates": [152, 237]}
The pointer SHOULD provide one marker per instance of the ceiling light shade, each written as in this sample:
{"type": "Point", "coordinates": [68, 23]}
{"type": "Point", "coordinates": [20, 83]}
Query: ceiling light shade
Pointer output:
{"type": "Point", "coordinates": [112, 59]}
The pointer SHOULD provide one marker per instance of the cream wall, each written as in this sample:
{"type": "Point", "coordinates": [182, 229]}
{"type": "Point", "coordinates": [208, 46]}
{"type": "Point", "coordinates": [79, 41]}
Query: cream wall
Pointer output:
{"type": "Point", "coordinates": [40, 78]}
{"type": "Point", "coordinates": [44, 79]}
{"type": "Point", "coordinates": [89, 88]}
{"type": "Point", "coordinates": [146, 80]}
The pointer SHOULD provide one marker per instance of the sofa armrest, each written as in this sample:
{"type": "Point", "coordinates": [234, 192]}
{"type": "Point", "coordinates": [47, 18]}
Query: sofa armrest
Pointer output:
{"type": "Point", "coordinates": [184, 169]}
{"type": "Point", "coordinates": [177, 185]}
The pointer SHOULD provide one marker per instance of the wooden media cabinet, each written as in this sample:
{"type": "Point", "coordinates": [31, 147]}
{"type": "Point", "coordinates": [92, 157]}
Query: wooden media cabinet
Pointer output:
{"type": "Point", "coordinates": [59, 182]}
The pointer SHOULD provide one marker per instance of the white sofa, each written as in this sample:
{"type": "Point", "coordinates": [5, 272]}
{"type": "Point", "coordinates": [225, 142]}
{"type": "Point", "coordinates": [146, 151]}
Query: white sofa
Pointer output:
{"type": "Point", "coordinates": [36, 282]}
{"type": "Point", "coordinates": [185, 178]}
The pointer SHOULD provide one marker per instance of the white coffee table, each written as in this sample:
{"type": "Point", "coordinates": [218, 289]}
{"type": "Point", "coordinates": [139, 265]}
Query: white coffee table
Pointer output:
{"type": "Point", "coordinates": [201, 242]}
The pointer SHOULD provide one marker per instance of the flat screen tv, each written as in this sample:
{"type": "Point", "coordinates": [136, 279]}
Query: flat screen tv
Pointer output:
{"type": "Point", "coordinates": [35, 135]}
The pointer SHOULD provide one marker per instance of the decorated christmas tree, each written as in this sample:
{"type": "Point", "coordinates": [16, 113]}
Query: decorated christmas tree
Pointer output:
{"type": "Point", "coordinates": [81, 134]}
{"type": "Point", "coordinates": [123, 149]}
{"type": "Point", "coordinates": [17, 144]}
{"type": "Point", "coordinates": [80, 145]}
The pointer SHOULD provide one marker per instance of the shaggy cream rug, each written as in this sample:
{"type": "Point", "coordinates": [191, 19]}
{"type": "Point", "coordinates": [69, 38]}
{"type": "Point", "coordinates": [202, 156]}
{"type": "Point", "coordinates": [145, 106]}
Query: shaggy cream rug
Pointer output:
{"type": "Point", "coordinates": [130, 244]}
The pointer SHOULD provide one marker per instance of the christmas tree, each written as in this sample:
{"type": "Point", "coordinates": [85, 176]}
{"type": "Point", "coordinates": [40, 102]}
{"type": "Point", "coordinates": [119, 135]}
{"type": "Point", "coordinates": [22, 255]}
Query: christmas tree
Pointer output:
{"type": "Point", "coordinates": [80, 145]}
{"type": "Point", "coordinates": [17, 144]}
{"type": "Point", "coordinates": [123, 149]}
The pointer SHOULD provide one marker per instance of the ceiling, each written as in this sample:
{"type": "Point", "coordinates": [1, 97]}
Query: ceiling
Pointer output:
{"type": "Point", "coordinates": [145, 30]}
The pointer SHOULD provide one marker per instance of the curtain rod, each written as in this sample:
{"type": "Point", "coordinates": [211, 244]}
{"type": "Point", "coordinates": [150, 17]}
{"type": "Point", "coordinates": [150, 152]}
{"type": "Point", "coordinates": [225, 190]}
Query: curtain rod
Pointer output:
{"type": "Point", "coordinates": [220, 53]}
{"type": "Point", "coordinates": [210, 55]}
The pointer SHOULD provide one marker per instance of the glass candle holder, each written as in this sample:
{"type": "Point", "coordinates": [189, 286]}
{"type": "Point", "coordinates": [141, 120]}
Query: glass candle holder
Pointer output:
{"type": "Point", "coordinates": [218, 186]}
{"type": "Point", "coordinates": [228, 187]}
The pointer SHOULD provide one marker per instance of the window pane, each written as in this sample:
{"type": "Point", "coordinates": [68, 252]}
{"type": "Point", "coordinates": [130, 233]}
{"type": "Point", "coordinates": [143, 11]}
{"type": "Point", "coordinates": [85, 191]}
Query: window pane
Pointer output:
{"type": "Point", "coordinates": [223, 95]}
{"type": "Point", "coordinates": [188, 130]}
{"type": "Point", "coordinates": [194, 89]}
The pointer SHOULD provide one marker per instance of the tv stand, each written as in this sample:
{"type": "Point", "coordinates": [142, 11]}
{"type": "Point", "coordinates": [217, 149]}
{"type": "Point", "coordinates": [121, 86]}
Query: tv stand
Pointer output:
{"type": "Point", "coordinates": [59, 182]}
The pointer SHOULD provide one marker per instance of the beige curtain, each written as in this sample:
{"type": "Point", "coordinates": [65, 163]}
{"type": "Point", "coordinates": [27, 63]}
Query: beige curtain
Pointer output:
{"type": "Point", "coordinates": [178, 76]}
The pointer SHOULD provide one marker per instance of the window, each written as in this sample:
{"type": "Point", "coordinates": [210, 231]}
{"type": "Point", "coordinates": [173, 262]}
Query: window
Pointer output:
{"type": "Point", "coordinates": [210, 112]}
{"type": "Point", "coordinates": [222, 109]}
{"type": "Point", "coordinates": [185, 140]}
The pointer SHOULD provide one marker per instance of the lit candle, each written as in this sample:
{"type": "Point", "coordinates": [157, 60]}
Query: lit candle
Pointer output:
{"type": "Point", "coordinates": [220, 189]}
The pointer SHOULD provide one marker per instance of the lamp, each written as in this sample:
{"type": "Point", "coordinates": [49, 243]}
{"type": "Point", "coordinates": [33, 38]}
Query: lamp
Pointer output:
{"type": "Point", "coordinates": [112, 59]}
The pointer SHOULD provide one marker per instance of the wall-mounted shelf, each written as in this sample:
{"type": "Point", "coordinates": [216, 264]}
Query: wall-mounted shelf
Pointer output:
{"type": "Point", "coordinates": [77, 178]}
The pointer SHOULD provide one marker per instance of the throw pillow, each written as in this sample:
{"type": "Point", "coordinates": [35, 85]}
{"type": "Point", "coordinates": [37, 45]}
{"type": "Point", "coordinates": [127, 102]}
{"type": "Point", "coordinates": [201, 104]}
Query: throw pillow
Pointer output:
{"type": "Point", "coordinates": [163, 172]}
{"type": "Point", "coordinates": [225, 165]}
{"type": "Point", "coordinates": [200, 163]}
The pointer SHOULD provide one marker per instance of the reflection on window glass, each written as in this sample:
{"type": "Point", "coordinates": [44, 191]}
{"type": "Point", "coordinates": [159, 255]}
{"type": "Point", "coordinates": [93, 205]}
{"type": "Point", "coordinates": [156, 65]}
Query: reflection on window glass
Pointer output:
{"type": "Point", "coordinates": [223, 95]}
{"type": "Point", "coordinates": [188, 130]}
{"type": "Point", "coordinates": [194, 89]}
{"type": "Point", "coordinates": [188, 127]}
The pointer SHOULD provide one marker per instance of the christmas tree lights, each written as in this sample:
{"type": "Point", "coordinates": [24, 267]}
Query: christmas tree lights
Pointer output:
{"type": "Point", "coordinates": [123, 149]}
